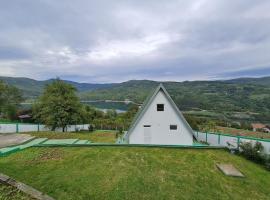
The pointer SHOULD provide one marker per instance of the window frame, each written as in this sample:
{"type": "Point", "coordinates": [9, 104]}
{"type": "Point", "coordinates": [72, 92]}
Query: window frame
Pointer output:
{"type": "Point", "coordinates": [146, 126]}
{"type": "Point", "coordinates": [173, 127]}
{"type": "Point", "coordinates": [159, 109]}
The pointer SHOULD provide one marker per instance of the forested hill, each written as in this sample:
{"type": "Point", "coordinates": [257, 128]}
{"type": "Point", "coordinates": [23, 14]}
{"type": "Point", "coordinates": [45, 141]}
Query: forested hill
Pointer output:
{"type": "Point", "coordinates": [214, 95]}
{"type": "Point", "coordinates": [32, 88]}
{"type": "Point", "coordinates": [250, 95]}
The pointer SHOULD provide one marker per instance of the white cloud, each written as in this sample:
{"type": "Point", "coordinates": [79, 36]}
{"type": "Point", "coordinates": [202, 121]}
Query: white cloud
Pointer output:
{"type": "Point", "coordinates": [115, 41]}
{"type": "Point", "coordinates": [108, 50]}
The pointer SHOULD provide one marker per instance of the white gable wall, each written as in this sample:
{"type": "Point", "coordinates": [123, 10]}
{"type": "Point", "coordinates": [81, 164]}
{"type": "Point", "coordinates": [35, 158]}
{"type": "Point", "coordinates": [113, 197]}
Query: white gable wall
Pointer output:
{"type": "Point", "coordinates": [160, 122]}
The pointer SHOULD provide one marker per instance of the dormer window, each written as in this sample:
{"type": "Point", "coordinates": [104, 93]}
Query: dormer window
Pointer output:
{"type": "Point", "coordinates": [160, 107]}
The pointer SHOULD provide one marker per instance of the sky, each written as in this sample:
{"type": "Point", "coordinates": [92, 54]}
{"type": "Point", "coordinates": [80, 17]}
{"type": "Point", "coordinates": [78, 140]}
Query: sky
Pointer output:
{"type": "Point", "coordinates": [115, 41]}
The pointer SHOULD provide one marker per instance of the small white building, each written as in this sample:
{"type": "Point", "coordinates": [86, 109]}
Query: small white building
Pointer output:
{"type": "Point", "coordinates": [159, 121]}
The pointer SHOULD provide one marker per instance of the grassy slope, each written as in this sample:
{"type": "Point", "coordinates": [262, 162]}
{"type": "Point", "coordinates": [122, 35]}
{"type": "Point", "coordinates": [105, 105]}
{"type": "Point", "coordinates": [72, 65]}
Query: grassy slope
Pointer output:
{"type": "Point", "coordinates": [135, 173]}
{"type": "Point", "coordinates": [10, 193]}
{"type": "Point", "coordinates": [96, 136]}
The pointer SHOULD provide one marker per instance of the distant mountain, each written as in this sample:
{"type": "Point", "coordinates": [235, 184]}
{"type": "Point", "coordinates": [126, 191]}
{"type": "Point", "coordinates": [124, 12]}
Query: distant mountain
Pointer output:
{"type": "Point", "coordinates": [133, 89]}
{"type": "Point", "coordinates": [257, 81]}
{"type": "Point", "coordinates": [245, 97]}
{"type": "Point", "coordinates": [32, 88]}
{"type": "Point", "coordinates": [242, 99]}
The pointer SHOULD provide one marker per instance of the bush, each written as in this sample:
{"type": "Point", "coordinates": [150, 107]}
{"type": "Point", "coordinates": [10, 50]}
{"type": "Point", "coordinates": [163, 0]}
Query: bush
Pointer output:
{"type": "Point", "coordinates": [255, 153]}
{"type": "Point", "coordinates": [90, 128]}
{"type": "Point", "coordinates": [267, 163]}
{"type": "Point", "coordinates": [236, 125]}
{"type": "Point", "coordinates": [119, 133]}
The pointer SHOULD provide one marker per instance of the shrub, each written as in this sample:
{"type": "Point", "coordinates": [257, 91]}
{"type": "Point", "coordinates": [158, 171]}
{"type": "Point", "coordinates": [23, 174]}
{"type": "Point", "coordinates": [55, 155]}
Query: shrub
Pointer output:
{"type": "Point", "coordinates": [267, 163]}
{"type": "Point", "coordinates": [119, 133]}
{"type": "Point", "coordinates": [252, 152]}
{"type": "Point", "coordinates": [90, 128]}
{"type": "Point", "coordinates": [236, 125]}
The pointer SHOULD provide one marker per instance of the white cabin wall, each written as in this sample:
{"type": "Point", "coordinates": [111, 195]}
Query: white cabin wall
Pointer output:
{"type": "Point", "coordinates": [160, 122]}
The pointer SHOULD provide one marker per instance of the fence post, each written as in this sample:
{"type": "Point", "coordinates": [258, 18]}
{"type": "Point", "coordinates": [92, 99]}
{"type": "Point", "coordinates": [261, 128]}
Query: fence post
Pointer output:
{"type": "Point", "coordinates": [219, 138]}
{"type": "Point", "coordinates": [238, 142]}
{"type": "Point", "coordinates": [38, 127]}
{"type": "Point", "coordinates": [206, 136]}
{"type": "Point", "coordinates": [17, 128]}
{"type": "Point", "coordinates": [197, 134]}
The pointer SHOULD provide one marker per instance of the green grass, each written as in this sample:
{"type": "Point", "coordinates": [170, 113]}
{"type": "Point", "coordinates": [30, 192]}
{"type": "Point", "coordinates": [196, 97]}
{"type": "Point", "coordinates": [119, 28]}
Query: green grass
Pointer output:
{"type": "Point", "coordinates": [98, 136]}
{"type": "Point", "coordinates": [10, 193]}
{"type": "Point", "coordinates": [135, 173]}
{"type": "Point", "coordinates": [204, 113]}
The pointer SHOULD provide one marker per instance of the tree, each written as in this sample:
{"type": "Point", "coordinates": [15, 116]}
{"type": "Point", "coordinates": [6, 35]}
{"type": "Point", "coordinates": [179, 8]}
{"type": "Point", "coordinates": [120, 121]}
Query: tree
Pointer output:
{"type": "Point", "coordinates": [10, 99]}
{"type": "Point", "coordinates": [193, 122]}
{"type": "Point", "coordinates": [58, 106]}
{"type": "Point", "coordinates": [210, 126]}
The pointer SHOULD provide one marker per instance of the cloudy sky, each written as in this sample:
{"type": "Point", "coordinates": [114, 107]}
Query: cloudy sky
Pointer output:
{"type": "Point", "coordinates": [114, 41]}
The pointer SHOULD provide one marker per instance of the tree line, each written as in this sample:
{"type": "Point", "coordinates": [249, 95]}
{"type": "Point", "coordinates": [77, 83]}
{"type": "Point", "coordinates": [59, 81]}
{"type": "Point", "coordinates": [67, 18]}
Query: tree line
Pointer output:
{"type": "Point", "coordinates": [59, 106]}
{"type": "Point", "coordinates": [10, 98]}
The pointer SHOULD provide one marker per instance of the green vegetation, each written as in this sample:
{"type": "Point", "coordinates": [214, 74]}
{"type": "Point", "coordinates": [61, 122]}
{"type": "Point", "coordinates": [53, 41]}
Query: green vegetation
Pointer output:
{"type": "Point", "coordinates": [111, 119]}
{"type": "Point", "coordinates": [10, 97]}
{"type": "Point", "coordinates": [254, 153]}
{"type": "Point", "coordinates": [58, 106]}
{"type": "Point", "coordinates": [98, 136]}
{"type": "Point", "coordinates": [233, 103]}
{"type": "Point", "coordinates": [224, 99]}
{"type": "Point", "coordinates": [243, 132]}
{"type": "Point", "coordinates": [10, 193]}
{"type": "Point", "coordinates": [239, 99]}
{"type": "Point", "coordinates": [135, 173]}
{"type": "Point", "coordinates": [32, 88]}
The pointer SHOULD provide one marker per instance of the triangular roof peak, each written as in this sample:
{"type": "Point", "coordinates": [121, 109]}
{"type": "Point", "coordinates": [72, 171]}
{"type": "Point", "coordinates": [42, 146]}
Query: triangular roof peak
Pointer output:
{"type": "Point", "coordinates": [147, 103]}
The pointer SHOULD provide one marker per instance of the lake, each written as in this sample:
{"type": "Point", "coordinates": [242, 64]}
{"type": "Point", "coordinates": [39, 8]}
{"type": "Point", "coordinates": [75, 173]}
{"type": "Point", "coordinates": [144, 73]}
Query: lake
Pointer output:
{"type": "Point", "coordinates": [119, 107]}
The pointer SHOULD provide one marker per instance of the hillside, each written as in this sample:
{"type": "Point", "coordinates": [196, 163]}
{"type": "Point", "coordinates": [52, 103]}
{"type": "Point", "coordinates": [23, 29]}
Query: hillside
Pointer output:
{"type": "Point", "coordinates": [239, 99]}
{"type": "Point", "coordinates": [135, 173]}
{"type": "Point", "coordinates": [259, 81]}
{"type": "Point", "coordinates": [32, 88]}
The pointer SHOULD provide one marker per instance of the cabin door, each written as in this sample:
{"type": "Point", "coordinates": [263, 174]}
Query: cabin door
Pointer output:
{"type": "Point", "coordinates": [147, 134]}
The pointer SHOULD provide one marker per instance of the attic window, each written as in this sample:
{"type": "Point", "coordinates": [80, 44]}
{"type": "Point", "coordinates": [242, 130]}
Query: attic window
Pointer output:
{"type": "Point", "coordinates": [173, 127]}
{"type": "Point", "coordinates": [160, 107]}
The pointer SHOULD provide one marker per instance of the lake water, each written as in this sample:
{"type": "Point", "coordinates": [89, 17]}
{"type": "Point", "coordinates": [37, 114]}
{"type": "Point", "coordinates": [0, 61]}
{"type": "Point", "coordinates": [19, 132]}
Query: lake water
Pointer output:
{"type": "Point", "coordinates": [119, 107]}
{"type": "Point", "coordinates": [104, 106]}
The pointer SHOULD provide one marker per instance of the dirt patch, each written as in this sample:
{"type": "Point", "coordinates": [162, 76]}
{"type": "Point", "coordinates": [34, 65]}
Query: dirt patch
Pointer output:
{"type": "Point", "coordinates": [48, 154]}
{"type": "Point", "coordinates": [10, 139]}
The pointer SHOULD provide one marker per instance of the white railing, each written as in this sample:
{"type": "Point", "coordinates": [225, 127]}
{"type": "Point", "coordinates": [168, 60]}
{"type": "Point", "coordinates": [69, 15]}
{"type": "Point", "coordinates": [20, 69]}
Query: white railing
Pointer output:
{"type": "Point", "coordinates": [231, 141]}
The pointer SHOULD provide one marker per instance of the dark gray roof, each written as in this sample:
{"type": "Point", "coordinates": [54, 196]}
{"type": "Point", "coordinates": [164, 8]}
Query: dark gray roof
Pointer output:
{"type": "Point", "coordinates": [147, 103]}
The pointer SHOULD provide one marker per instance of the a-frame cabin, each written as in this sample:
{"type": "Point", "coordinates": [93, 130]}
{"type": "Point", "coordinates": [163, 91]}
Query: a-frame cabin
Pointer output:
{"type": "Point", "coordinates": [159, 121]}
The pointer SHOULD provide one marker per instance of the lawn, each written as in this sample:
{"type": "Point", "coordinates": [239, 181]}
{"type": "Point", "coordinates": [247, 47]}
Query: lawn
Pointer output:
{"type": "Point", "coordinates": [135, 173]}
{"type": "Point", "coordinates": [241, 132]}
{"type": "Point", "coordinates": [10, 193]}
{"type": "Point", "coordinates": [99, 136]}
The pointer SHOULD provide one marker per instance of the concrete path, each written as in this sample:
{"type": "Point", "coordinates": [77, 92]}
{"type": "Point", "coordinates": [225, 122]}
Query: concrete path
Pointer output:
{"type": "Point", "coordinates": [9, 139]}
